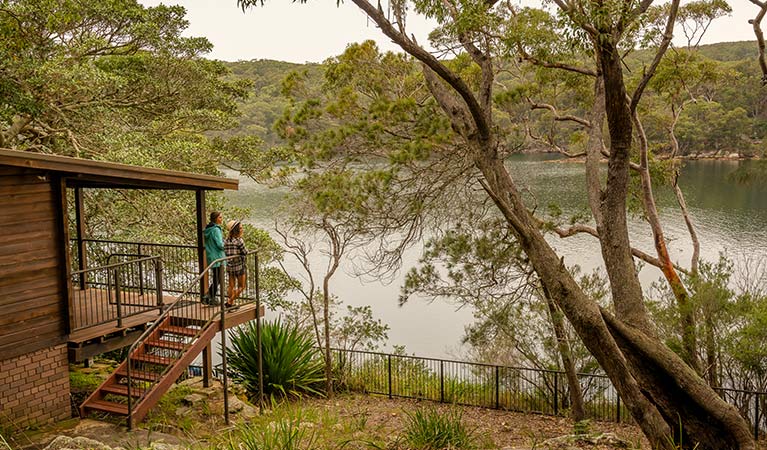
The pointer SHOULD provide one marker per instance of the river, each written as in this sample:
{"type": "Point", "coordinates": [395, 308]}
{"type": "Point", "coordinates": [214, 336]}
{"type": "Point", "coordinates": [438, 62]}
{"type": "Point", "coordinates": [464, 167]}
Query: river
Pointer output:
{"type": "Point", "coordinates": [730, 218]}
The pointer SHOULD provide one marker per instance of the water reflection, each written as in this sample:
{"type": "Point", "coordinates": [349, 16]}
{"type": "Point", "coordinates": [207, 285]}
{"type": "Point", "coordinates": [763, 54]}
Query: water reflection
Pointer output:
{"type": "Point", "coordinates": [729, 218]}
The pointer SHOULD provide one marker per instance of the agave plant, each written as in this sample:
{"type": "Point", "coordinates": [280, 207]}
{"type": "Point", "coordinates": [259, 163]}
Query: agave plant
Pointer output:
{"type": "Point", "coordinates": [292, 366]}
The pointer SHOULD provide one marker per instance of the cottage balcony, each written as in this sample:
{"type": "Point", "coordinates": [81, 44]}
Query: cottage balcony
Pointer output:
{"type": "Point", "coordinates": [68, 298]}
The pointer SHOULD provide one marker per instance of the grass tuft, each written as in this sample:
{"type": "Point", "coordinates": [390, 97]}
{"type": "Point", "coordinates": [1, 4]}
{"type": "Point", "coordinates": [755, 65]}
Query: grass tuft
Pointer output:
{"type": "Point", "coordinates": [428, 429]}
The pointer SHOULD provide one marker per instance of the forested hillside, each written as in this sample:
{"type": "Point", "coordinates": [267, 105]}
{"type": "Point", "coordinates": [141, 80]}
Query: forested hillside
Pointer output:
{"type": "Point", "coordinates": [722, 115]}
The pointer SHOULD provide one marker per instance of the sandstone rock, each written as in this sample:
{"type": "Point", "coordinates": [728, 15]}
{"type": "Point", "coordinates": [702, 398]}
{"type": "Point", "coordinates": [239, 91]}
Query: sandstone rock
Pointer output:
{"type": "Point", "coordinates": [76, 443]}
{"type": "Point", "coordinates": [193, 399]}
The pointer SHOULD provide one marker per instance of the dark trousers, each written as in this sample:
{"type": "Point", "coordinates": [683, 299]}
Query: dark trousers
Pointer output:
{"type": "Point", "coordinates": [215, 277]}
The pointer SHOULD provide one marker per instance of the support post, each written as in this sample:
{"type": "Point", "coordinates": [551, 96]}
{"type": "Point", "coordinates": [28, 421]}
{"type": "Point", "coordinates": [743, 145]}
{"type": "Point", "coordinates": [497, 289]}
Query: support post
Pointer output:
{"type": "Point", "coordinates": [556, 393]}
{"type": "Point", "coordinates": [200, 213]}
{"type": "Point", "coordinates": [258, 342]}
{"type": "Point", "coordinates": [222, 305]}
{"type": "Point", "coordinates": [618, 410]}
{"type": "Point", "coordinates": [207, 358]}
{"type": "Point", "coordinates": [497, 387]}
{"type": "Point", "coordinates": [442, 381]}
{"type": "Point", "coordinates": [207, 366]}
{"type": "Point", "coordinates": [756, 416]}
{"type": "Point", "coordinates": [389, 371]}
{"type": "Point", "coordinates": [82, 257]}
{"type": "Point", "coordinates": [118, 288]}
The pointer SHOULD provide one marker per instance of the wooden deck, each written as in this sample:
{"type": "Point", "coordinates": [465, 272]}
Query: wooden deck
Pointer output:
{"type": "Point", "coordinates": [93, 306]}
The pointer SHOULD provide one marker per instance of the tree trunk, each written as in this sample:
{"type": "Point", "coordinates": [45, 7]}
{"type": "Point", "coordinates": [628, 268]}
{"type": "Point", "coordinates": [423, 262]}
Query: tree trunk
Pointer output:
{"type": "Point", "coordinates": [712, 368]}
{"type": "Point", "coordinates": [615, 245]}
{"type": "Point", "coordinates": [326, 318]}
{"type": "Point", "coordinates": [577, 411]}
{"type": "Point", "coordinates": [688, 327]}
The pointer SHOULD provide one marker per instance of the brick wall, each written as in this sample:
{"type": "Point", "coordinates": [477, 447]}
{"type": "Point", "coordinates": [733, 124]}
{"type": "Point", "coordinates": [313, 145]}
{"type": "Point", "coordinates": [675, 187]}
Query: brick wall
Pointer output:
{"type": "Point", "coordinates": [34, 388]}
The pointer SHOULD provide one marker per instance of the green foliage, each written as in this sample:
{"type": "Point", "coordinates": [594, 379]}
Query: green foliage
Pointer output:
{"type": "Point", "coordinates": [288, 433]}
{"type": "Point", "coordinates": [430, 429]}
{"type": "Point", "coordinates": [292, 366]}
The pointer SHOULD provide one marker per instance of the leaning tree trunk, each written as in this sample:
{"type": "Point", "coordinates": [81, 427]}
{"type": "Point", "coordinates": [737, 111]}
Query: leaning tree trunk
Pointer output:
{"type": "Point", "coordinates": [577, 411]}
{"type": "Point", "coordinates": [688, 328]}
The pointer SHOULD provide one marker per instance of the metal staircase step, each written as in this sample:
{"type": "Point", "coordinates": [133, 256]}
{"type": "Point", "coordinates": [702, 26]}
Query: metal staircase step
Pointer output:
{"type": "Point", "coordinates": [122, 389]}
{"type": "Point", "coordinates": [138, 374]}
{"type": "Point", "coordinates": [110, 407]}
{"type": "Point", "coordinates": [162, 343]}
{"type": "Point", "coordinates": [153, 359]}
{"type": "Point", "coordinates": [182, 331]}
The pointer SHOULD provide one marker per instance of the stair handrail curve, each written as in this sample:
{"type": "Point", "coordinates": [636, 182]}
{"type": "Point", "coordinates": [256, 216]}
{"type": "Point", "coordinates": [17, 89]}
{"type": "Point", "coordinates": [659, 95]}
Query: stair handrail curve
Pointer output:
{"type": "Point", "coordinates": [166, 314]}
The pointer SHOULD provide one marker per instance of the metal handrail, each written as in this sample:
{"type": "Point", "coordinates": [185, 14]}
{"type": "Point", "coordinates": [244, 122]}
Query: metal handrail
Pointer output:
{"type": "Point", "coordinates": [115, 267]}
{"type": "Point", "coordinates": [166, 313]}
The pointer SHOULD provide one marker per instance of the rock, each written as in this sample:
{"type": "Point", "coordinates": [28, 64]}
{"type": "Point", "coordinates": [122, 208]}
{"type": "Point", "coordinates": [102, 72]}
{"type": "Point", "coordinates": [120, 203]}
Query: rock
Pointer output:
{"type": "Point", "coordinates": [193, 399]}
{"type": "Point", "coordinates": [76, 443]}
{"type": "Point", "coordinates": [235, 405]}
{"type": "Point", "coordinates": [164, 446]}
{"type": "Point", "coordinates": [183, 410]}
{"type": "Point", "coordinates": [569, 442]}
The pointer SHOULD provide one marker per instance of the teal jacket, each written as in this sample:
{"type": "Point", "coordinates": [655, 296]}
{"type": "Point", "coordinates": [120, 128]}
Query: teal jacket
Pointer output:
{"type": "Point", "coordinates": [214, 243]}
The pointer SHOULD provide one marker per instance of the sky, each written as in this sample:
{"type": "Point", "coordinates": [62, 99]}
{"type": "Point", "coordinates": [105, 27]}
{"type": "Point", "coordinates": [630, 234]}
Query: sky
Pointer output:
{"type": "Point", "coordinates": [312, 32]}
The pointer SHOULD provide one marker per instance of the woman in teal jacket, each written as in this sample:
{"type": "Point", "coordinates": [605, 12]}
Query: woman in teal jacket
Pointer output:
{"type": "Point", "coordinates": [214, 249]}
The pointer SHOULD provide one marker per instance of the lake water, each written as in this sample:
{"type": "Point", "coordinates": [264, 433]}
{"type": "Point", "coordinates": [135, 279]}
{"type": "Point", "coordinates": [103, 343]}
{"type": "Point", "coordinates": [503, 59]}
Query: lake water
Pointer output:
{"type": "Point", "coordinates": [729, 217]}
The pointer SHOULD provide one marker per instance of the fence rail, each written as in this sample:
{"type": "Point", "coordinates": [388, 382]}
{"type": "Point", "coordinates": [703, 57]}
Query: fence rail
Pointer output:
{"type": "Point", "coordinates": [502, 387]}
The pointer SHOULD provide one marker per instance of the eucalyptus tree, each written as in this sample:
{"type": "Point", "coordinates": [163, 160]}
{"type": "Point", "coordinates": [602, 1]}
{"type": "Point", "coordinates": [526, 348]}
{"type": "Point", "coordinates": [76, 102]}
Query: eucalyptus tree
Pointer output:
{"type": "Point", "coordinates": [664, 395]}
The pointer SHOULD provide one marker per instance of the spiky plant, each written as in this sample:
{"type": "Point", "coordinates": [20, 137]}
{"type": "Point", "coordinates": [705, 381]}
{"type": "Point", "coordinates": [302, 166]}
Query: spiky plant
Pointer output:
{"type": "Point", "coordinates": [292, 366]}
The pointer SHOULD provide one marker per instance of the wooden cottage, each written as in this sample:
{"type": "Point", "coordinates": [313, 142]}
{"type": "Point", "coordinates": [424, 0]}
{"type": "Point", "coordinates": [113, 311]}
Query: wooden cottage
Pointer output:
{"type": "Point", "coordinates": [116, 294]}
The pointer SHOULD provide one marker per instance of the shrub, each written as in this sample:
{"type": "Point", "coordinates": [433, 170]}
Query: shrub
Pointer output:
{"type": "Point", "coordinates": [428, 429]}
{"type": "Point", "coordinates": [292, 366]}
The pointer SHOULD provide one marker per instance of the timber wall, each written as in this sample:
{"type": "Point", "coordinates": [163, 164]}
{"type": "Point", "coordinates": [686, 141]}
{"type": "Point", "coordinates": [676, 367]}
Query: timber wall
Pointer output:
{"type": "Point", "coordinates": [33, 299]}
{"type": "Point", "coordinates": [34, 388]}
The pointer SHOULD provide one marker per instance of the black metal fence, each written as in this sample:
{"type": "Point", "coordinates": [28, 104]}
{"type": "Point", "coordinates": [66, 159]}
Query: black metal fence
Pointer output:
{"type": "Point", "coordinates": [502, 387]}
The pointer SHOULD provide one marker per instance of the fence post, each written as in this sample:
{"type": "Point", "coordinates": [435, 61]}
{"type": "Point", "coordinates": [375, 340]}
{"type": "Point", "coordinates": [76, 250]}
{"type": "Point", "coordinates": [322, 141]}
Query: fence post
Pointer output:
{"type": "Point", "coordinates": [388, 357]}
{"type": "Point", "coordinates": [442, 381]}
{"type": "Point", "coordinates": [497, 387]}
{"type": "Point", "coordinates": [556, 393]}
{"type": "Point", "coordinates": [158, 283]}
{"type": "Point", "coordinates": [140, 273]}
{"type": "Point", "coordinates": [117, 299]}
{"type": "Point", "coordinates": [618, 409]}
{"type": "Point", "coordinates": [756, 416]}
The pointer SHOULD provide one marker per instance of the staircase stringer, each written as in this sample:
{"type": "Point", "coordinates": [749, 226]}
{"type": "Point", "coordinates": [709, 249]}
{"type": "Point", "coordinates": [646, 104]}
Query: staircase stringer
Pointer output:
{"type": "Point", "coordinates": [169, 377]}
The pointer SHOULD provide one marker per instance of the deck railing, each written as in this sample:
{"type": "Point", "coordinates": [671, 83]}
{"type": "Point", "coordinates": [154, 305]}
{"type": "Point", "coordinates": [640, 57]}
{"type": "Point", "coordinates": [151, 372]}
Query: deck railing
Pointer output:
{"type": "Point", "coordinates": [180, 265]}
{"type": "Point", "coordinates": [116, 290]}
{"type": "Point", "coordinates": [502, 387]}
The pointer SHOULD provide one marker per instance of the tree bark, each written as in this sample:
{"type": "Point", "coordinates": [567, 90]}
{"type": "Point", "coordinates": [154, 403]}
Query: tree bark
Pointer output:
{"type": "Point", "coordinates": [687, 323]}
{"type": "Point", "coordinates": [616, 248]}
{"type": "Point", "coordinates": [577, 411]}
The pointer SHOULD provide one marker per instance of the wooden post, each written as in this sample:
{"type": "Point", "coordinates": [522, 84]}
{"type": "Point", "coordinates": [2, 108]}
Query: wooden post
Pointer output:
{"type": "Point", "coordinates": [200, 212]}
{"type": "Point", "coordinates": [207, 354]}
{"type": "Point", "coordinates": [82, 257]}
{"type": "Point", "coordinates": [59, 186]}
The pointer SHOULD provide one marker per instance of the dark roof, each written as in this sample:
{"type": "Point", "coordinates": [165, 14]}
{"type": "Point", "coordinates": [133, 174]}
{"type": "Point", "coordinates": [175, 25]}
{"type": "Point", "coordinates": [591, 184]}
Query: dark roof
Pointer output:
{"type": "Point", "coordinates": [89, 173]}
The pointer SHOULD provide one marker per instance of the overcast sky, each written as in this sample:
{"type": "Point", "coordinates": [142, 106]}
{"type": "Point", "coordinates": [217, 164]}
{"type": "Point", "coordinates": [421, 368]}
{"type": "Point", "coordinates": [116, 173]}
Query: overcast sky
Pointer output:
{"type": "Point", "coordinates": [311, 32]}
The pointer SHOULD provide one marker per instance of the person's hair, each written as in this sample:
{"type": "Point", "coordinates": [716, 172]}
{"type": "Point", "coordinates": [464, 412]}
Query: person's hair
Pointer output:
{"type": "Point", "coordinates": [236, 231]}
{"type": "Point", "coordinates": [214, 215]}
